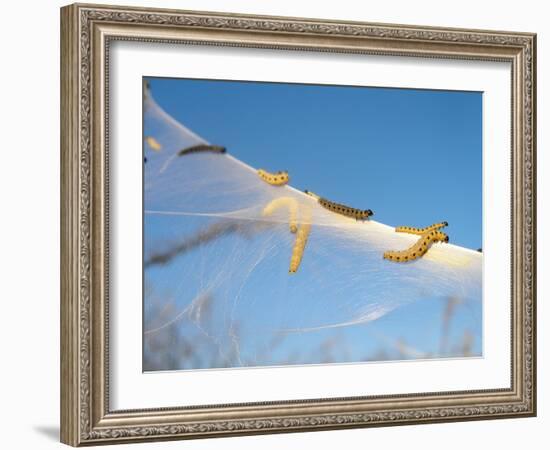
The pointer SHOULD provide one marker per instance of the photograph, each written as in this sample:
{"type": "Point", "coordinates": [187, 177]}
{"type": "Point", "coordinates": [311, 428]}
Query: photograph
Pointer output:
{"type": "Point", "coordinates": [291, 224]}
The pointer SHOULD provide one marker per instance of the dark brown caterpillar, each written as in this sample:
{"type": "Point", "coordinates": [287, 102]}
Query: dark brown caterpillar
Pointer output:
{"type": "Point", "coordinates": [202, 148]}
{"type": "Point", "coordinates": [421, 231]}
{"type": "Point", "coordinates": [418, 249]}
{"type": "Point", "coordinates": [357, 214]}
{"type": "Point", "coordinates": [276, 179]}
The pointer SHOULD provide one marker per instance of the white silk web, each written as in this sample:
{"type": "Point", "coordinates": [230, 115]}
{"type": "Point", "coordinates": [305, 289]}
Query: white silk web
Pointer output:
{"type": "Point", "coordinates": [218, 292]}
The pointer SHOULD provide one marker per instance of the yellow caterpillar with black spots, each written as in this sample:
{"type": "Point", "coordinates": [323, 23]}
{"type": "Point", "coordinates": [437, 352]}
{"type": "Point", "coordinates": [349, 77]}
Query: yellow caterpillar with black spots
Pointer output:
{"type": "Point", "coordinates": [202, 148]}
{"type": "Point", "coordinates": [418, 249]}
{"type": "Point", "coordinates": [338, 208]}
{"type": "Point", "coordinates": [288, 202]}
{"type": "Point", "coordinates": [299, 247]}
{"type": "Point", "coordinates": [421, 231]}
{"type": "Point", "coordinates": [153, 143]}
{"type": "Point", "coordinates": [276, 179]}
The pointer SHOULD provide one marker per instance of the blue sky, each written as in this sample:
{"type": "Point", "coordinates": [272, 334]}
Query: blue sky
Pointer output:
{"type": "Point", "coordinates": [412, 156]}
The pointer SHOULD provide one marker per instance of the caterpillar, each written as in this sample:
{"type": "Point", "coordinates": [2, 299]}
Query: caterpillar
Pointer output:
{"type": "Point", "coordinates": [280, 202]}
{"type": "Point", "coordinates": [357, 214]}
{"type": "Point", "coordinates": [153, 143]}
{"type": "Point", "coordinates": [418, 249]}
{"type": "Point", "coordinates": [201, 148]}
{"type": "Point", "coordinates": [421, 231]}
{"type": "Point", "coordinates": [276, 179]}
{"type": "Point", "coordinates": [299, 247]}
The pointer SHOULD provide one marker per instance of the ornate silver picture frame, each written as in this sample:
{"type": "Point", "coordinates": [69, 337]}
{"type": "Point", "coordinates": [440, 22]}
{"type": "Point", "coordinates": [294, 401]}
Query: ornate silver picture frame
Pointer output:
{"type": "Point", "coordinates": [87, 34]}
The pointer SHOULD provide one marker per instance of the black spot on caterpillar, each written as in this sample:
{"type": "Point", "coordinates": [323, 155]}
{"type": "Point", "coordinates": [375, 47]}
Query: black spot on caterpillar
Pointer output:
{"type": "Point", "coordinates": [421, 231]}
{"type": "Point", "coordinates": [418, 249]}
{"type": "Point", "coordinates": [480, 250]}
{"type": "Point", "coordinates": [201, 148]}
{"type": "Point", "coordinates": [276, 179]}
{"type": "Point", "coordinates": [357, 214]}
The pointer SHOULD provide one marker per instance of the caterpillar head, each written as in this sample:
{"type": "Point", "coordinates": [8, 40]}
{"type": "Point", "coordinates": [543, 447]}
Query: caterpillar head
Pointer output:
{"type": "Point", "coordinates": [440, 236]}
{"type": "Point", "coordinates": [445, 224]}
{"type": "Point", "coordinates": [368, 212]}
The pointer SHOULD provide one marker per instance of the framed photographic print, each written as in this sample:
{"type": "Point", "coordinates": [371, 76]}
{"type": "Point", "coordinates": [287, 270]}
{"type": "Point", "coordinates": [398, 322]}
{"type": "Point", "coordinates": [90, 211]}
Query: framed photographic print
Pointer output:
{"type": "Point", "coordinates": [276, 224]}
